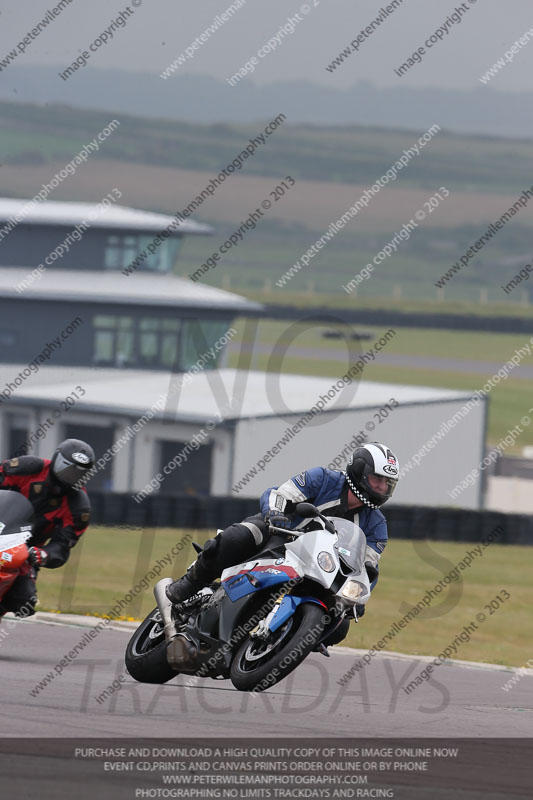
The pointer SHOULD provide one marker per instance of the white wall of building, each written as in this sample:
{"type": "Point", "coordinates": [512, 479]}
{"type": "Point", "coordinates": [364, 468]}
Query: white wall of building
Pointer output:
{"type": "Point", "coordinates": [406, 430]}
{"type": "Point", "coordinates": [136, 461]}
{"type": "Point", "coordinates": [239, 446]}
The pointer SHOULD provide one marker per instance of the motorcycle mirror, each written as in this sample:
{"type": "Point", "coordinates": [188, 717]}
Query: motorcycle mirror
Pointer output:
{"type": "Point", "coordinates": [307, 510]}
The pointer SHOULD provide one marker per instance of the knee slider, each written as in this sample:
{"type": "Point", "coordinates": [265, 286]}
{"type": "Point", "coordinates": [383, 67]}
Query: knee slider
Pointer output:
{"type": "Point", "coordinates": [338, 634]}
{"type": "Point", "coordinates": [27, 610]}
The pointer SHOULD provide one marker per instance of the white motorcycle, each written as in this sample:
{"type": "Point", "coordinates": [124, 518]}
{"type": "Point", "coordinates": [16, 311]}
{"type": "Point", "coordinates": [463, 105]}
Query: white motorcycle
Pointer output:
{"type": "Point", "coordinates": [265, 616]}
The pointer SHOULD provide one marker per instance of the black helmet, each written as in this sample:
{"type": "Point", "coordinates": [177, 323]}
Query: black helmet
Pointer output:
{"type": "Point", "coordinates": [377, 460]}
{"type": "Point", "coordinates": [71, 461]}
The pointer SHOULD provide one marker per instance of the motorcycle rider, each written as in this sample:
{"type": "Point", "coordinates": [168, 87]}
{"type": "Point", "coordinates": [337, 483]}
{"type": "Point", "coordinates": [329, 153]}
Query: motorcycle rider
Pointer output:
{"type": "Point", "coordinates": [356, 494]}
{"type": "Point", "coordinates": [61, 513]}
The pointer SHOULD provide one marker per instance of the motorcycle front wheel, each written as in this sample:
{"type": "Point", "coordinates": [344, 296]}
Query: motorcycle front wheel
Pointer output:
{"type": "Point", "coordinates": [261, 663]}
{"type": "Point", "coordinates": [146, 653]}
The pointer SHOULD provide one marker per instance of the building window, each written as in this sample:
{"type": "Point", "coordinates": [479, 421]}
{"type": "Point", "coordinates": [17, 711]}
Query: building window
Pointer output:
{"type": "Point", "coordinates": [131, 249]}
{"type": "Point", "coordinates": [114, 341]}
{"type": "Point", "coordinates": [158, 342]}
{"type": "Point", "coordinates": [18, 435]}
{"type": "Point", "coordinates": [127, 342]}
{"type": "Point", "coordinates": [198, 337]}
{"type": "Point", "coordinates": [104, 347]}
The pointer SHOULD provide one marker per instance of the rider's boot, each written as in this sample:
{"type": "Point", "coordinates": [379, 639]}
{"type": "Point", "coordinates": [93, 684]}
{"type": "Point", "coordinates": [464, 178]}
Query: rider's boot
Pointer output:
{"type": "Point", "coordinates": [198, 576]}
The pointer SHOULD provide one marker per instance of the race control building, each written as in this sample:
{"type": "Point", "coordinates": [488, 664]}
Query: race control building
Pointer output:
{"type": "Point", "coordinates": [84, 310]}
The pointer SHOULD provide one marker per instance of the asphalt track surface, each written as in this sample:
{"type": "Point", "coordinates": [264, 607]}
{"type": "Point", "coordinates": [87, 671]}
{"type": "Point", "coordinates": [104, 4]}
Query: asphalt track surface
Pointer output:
{"type": "Point", "coordinates": [458, 700]}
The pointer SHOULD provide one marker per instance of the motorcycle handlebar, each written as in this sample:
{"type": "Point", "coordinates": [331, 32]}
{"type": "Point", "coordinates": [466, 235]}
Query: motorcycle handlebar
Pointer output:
{"type": "Point", "coordinates": [329, 526]}
{"type": "Point", "coordinates": [308, 511]}
{"type": "Point", "coordinates": [286, 531]}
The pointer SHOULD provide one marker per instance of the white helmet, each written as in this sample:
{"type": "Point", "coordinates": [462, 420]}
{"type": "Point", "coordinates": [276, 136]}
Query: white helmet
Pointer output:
{"type": "Point", "coordinates": [372, 459]}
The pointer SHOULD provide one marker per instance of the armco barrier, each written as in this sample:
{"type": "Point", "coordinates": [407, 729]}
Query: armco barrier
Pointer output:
{"type": "Point", "coordinates": [404, 522]}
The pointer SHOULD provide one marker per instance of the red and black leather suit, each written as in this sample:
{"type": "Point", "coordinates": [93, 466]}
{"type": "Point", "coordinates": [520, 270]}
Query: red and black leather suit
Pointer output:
{"type": "Point", "coordinates": [62, 515]}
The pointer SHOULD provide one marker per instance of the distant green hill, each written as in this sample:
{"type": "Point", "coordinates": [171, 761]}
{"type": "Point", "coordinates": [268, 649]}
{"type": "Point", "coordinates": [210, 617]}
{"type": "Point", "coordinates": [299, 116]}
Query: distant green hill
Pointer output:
{"type": "Point", "coordinates": [478, 171]}
{"type": "Point", "coordinates": [36, 134]}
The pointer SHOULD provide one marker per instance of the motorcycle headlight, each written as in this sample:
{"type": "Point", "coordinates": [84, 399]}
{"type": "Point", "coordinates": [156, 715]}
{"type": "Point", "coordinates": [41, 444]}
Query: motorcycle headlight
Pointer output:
{"type": "Point", "coordinates": [352, 590]}
{"type": "Point", "coordinates": [326, 562]}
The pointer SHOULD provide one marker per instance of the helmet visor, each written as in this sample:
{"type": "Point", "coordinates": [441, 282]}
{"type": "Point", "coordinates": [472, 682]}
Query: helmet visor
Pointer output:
{"type": "Point", "coordinates": [68, 472]}
{"type": "Point", "coordinates": [382, 485]}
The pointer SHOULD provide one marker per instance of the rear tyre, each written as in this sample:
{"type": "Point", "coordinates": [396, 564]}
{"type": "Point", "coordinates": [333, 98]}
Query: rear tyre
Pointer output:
{"type": "Point", "coordinates": [261, 663]}
{"type": "Point", "coordinates": [146, 653]}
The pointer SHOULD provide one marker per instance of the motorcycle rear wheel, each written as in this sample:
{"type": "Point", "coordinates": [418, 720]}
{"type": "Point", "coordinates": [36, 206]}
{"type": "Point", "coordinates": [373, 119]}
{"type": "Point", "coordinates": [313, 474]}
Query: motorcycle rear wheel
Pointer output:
{"type": "Point", "coordinates": [260, 664]}
{"type": "Point", "coordinates": [146, 653]}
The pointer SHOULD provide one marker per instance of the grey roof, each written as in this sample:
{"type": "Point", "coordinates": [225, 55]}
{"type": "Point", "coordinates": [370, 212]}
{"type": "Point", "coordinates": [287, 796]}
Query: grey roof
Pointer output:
{"type": "Point", "coordinates": [139, 288]}
{"type": "Point", "coordinates": [52, 212]}
{"type": "Point", "coordinates": [132, 392]}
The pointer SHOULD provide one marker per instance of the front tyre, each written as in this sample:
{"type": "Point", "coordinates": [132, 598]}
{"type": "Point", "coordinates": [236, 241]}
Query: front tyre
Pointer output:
{"type": "Point", "coordinates": [146, 653]}
{"type": "Point", "coordinates": [261, 663]}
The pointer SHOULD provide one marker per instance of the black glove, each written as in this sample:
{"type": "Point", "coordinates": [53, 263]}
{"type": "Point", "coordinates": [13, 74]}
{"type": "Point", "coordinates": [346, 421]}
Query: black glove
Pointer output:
{"type": "Point", "coordinates": [37, 556]}
{"type": "Point", "coordinates": [277, 518]}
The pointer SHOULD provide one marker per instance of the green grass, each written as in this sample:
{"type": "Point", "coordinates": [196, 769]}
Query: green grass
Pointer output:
{"type": "Point", "coordinates": [106, 564]}
{"type": "Point", "coordinates": [103, 569]}
{"type": "Point", "coordinates": [406, 576]}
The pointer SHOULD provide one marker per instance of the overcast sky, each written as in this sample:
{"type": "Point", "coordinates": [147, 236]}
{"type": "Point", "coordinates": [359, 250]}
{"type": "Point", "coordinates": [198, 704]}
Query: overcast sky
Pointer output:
{"type": "Point", "coordinates": [160, 30]}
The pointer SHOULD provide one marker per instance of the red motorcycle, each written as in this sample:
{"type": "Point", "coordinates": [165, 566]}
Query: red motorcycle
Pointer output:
{"type": "Point", "coordinates": [16, 514]}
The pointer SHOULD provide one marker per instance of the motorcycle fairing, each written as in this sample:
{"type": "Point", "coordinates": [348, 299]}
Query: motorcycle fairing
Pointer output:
{"type": "Point", "coordinates": [13, 561]}
{"type": "Point", "coordinates": [288, 606]}
{"type": "Point", "coordinates": [13, 551]}
{"type": "Point", "coordinates": [244, 579]}
{"type": "Point", "coordinates": [10, 540]}
{"type": "Point", "coordinates": [16, 513]}
{"type": "Point", "coordinates": [305, 550]}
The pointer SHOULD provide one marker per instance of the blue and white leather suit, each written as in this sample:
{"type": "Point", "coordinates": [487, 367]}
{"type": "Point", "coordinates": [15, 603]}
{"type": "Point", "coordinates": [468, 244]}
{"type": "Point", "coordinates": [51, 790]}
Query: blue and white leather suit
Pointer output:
{"type": "Point", "coordinates": [328, 490]}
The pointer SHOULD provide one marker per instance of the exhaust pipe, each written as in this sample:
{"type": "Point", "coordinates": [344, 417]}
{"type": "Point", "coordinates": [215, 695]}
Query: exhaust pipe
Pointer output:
{"type": "Point", "coordinates": [165, 608]}
{"type": "Point", "coordinates": [181, 652]}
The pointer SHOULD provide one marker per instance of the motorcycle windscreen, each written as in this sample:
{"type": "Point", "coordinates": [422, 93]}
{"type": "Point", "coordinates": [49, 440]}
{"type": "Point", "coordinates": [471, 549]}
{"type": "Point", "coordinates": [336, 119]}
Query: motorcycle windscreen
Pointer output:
{"type": "Point", "coordinates": [351, 545]}
{"type": "Point", "coordinates": [15, 512]}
